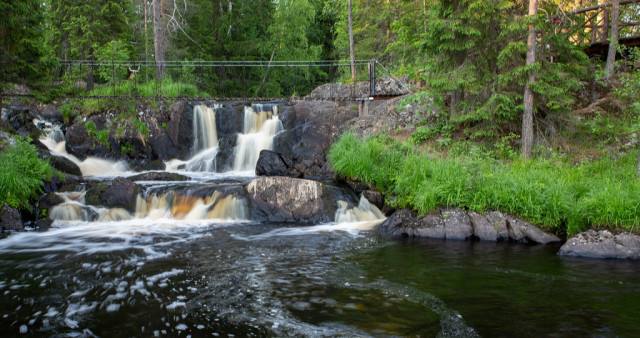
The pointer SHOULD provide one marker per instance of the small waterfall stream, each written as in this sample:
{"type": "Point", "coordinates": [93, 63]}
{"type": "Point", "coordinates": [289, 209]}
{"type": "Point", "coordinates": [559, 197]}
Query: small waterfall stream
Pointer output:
{"type": "Point", "coordinates": [261, 124]}
{"type": "Point", "coordinates": [53, 138]}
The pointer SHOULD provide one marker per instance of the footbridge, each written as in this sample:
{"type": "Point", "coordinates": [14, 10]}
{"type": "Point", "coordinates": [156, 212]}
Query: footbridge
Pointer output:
{"type": "Point", "coordinates": [222, 80]}
{"type": "Point", "coordinates": [592, 26]}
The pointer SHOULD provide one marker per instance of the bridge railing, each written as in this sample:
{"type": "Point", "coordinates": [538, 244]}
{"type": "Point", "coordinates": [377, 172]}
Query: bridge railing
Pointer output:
{"type": "Point", "coordinates": [214, 80]}
{"type": "Point", "coordinates": [594, 22]}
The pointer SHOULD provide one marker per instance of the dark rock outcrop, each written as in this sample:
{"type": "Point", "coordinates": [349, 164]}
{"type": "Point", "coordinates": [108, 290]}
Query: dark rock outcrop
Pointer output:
{"type": "Point", "coordinates": [50, 113]}
{"type": "Point", "coordinates": [65, 165]}
{"type": "Point", "coordinates": [602, 244]}
{"type": "Point", "coordinates": [385, 86]}
{"type": "Point", "coordinates": [10, 218]}
{"type": "Point", "coordinates": [122, 193]}
{"type": "Point", "coordinates": [271, 164]}
{"type": "Point", "coordinates": [284, 199]}
{"type": "Point", "coordinates": [374, 197]}
{"type": "Point", "coordinates": [162, 147]}
{"type": "Point", "coordinates": [180, 127]}
{"type": "Point", "coordinates": [457, 224]}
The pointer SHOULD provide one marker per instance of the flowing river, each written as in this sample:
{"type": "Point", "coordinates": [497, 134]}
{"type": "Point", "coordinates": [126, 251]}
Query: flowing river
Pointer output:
{"type": "Point", "coordinates": [191, 262]}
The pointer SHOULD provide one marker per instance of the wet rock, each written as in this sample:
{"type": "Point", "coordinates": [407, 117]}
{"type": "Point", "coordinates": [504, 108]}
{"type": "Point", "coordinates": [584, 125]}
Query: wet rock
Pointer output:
{"type": "Point", "coordinates": [285, 199]}
{"type": "Point", "coordinates": [50, 113]}
{"type": "Point", "coordinates": [180, 127]}
{"type": "Point", "coordinates": [10, 218]}
{"type": "Point", "coordinates": [498, 221]}
{"type": "Point", "coordinates": [78, 141]}
{"type": "Point", "coordinates": [43, 225]}
{"type": "Point", "coordinates": [429, 226]}
{"type": "Point", "coordinates": [47, 202]}
{"type": "Point", "coordinates": [521, 231]}
{"type": "Point", "coordinates": [122, 193]}
{"type": "Point", "coordinates": [65, 165]}
{"type": "Point", "coordinates": [224, 158]}
{"type": "Point", "coordinates": [162, 147]}
{"type": "Point", "coordinates": [483, 229]}
{"type": "Point", "coordinates": [457, 224]}
{"type": "Point", "coordinates": [20, 118]}
{"type": "Point", "coordinates": [602, 244]}
{"type": "Point", "coordinates": [153, 165]}
{"type": "Point", "coordinates": [374, 197]}
{"type": "Point", "coordinates": [271, 164]}
{"type": "Point", "coordinates": [227, 121]}
{"type": "Point", "coordinates": [396, 224]}
{"type": "Point", "coordinates": [159, 176]}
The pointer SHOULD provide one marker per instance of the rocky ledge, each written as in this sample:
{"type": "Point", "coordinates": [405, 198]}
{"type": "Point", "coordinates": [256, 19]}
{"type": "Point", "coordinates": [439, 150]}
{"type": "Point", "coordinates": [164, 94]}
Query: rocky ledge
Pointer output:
{"type": "Point", "coordinates": [602, 244]}
{"type": "Point", "coordinates": [457, 224]}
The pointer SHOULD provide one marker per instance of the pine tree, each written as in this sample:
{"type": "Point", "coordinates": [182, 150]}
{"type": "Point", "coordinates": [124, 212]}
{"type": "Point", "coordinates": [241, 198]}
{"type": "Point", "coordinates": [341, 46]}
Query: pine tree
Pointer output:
{"type": "Point", "coordinates": [21, 38]}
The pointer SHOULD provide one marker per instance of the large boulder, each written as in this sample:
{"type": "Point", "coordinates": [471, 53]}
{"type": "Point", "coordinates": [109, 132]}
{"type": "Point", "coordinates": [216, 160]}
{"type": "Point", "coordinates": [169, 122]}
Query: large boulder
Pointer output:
{"type": "Point", "coordinates": [50, 113]}
{"type": "Point", "coordinates": [602, 244]}
{"type": "Point", "coordinates": [397, 225]}
{"type": "Point", "coordinates": [81, 144]}
{"type": "Point", "coordinates": [285, 199]}
{"type": "Point", "coordinates": [521, 231]}
{"type": "Point", "coordinates": [385, 86]}
{"type": "Point", "coordinates": [10, 218]}
{"type": "Point", "coordinates": [122, 193]}
{"type": "Point", "coordinates": [490, 228]}
{"type": "Point", "coordinates": [19, 117]}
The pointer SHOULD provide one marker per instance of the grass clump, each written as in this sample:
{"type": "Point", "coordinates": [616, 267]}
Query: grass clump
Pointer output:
{"type": "Point", "coordinates": [547, 192]}
{"type": "Point", "coordinates": [22, 174]}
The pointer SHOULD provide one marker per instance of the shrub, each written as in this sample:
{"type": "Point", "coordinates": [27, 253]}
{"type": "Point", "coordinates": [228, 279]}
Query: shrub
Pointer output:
{"type": "Point", "coordinates": [22, 174]}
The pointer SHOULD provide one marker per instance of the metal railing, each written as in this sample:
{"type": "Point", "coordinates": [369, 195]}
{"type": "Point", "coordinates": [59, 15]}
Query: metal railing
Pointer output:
{"type": "Point", "coordinates": [216, 80]}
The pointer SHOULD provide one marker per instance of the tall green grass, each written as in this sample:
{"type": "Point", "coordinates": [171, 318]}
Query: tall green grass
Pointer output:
{"type": "Point", "coordinates": [546, 192]}
{"type": "Point", "coordinates": [22, 174]}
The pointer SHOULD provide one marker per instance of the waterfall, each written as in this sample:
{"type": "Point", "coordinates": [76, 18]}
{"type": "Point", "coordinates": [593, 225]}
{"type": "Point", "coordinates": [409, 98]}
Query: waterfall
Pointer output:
{"type": "Point", "coordinates": [205, 135]}
{"type": "Point", "coordinates": [261, 124]}
{"type": "Point", "coordinates": [54, 140]}
{"type": "Point", "coordinates": [205, 142]}
{"type": "Point", "coordinates": [364, 212]}
{"type": "Point", "coordinates": [172, 205]}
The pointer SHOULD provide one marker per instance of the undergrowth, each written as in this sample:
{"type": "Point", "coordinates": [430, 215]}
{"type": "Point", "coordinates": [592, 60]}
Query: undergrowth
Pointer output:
{"type": "Point", "coordinates": [22, 174]}
{"type": "Point", "coordinates": [548, 192]}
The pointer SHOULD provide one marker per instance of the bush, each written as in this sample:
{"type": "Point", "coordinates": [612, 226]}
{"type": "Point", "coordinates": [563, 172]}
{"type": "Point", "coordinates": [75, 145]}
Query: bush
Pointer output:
{"type": "Point", "coordinates": [22, 174]}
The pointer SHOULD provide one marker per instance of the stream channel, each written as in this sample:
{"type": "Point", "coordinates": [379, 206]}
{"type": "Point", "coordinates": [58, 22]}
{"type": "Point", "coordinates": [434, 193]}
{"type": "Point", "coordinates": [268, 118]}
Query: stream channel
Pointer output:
{"type": "Point", "coordinates": [190, 261]}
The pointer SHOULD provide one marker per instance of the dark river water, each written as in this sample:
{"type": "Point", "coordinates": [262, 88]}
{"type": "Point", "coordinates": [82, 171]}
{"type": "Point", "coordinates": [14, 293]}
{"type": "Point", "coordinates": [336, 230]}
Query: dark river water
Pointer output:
{"type": "Point", "coordinates": [175, 278]}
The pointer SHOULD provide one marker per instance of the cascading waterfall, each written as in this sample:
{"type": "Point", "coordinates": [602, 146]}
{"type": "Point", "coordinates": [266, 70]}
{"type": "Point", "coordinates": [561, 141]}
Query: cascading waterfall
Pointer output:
{"type": "Point", "coordinates": [364, 212]}
{"type": "Point", "coordinates": [192, 208]}
{"type": "Point", "coordinates": [53, 138]}
{"type": "Point", "coordinates": [205, 142]}
{"type": "Point", "coordinates": [261, 124]}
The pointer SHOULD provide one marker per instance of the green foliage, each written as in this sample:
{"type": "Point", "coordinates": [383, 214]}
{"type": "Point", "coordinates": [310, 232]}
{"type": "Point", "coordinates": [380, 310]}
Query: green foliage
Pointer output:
{"type": "Point", "coordinates": [115, 50]}
{"type": "Point", "coordinates": [101, 135]}
{"type": "Point", "coordinates": [440, 128]}
{"type": "Point", "coordinates": [140, 126]}
{"type": "Point", "coordinates": [550, 193]}
{"type": "Point", "coordinates": [22, 55]}
{"type": "Point", "coordinates": [126, 148]}
{"type": "Point", "coordinates": [22, 174]}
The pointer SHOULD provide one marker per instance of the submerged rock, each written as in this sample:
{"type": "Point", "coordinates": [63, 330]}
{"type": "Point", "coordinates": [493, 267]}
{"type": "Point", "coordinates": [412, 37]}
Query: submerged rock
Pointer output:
{"type": "Point", "coordinates": [10, 218]}
{"type": "Point", "coordinates": [285, 199]}
{"type": "Point", "coordinates": [457, 224]}
{"type": "Point", "coordinates": [159, 176]}
{"type": "Point", "coordinates": [602, 244]}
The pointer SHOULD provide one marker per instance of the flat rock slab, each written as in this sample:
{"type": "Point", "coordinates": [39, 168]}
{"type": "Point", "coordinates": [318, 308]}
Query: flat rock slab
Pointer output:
{"type": "Point", "coordinates": [456, 224]}
{"type": "Point", "coordinates": [602, 244]}
{"type": "Point", "coordinates": [286, 199]}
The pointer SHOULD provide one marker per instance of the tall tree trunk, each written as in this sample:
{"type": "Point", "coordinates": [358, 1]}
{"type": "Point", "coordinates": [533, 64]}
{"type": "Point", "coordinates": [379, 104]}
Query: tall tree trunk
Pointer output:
{"type": "Point", "coordinates": [613, 41]}
{"type": "Point", "coordinates": [159, 39]}
{"type": "Point", "coordinates": [527, 117]}
{"type": "Point", "coordinates": [146, 41]}
{"type": "Point", "coordinates": [351, 48]}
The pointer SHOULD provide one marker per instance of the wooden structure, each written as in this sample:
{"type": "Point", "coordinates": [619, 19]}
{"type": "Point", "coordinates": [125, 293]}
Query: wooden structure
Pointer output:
{"type": "Point", "coordinates": [595, 25]}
